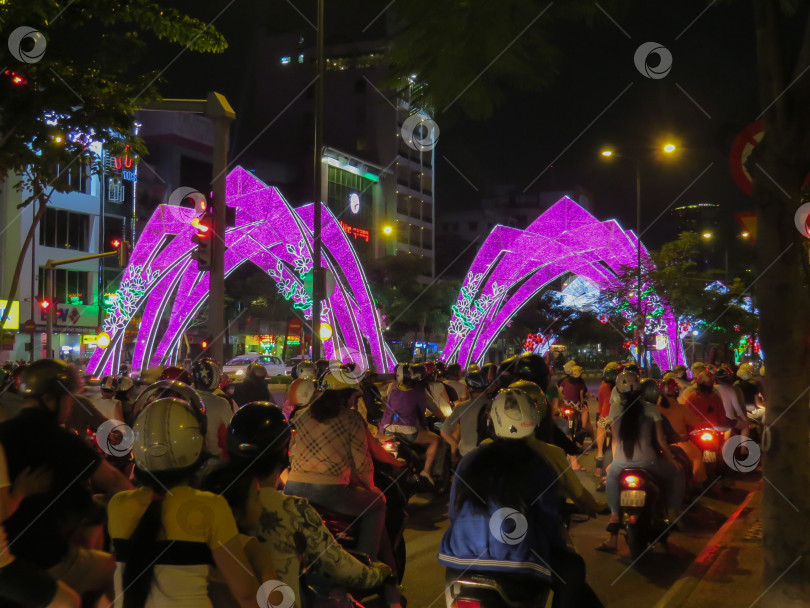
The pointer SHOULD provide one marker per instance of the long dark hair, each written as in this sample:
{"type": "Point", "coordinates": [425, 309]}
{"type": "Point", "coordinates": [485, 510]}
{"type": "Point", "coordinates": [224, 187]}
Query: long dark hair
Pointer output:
{"type": "Point", "coordinates": [230, 481]}
{"type": "Point", "coordinates": [630, 427]}
{"type": "Point", "coordinates": [330, 403]}
{"type": "Point", "coordinates": [143, 550]}
{"type": "Point", "coordinates": [497, 473]}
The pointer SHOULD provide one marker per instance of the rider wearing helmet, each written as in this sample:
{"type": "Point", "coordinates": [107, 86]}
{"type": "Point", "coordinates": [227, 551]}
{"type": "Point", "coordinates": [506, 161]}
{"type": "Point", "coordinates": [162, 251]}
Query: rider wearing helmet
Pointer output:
{"type": "Point", "coordinates": [331, 460]}
{"type": "Point", "coordinates": [300, 393]}
{"type": "Point", "coordinates": [609, 375]}
{"type": "Point", "coordinates": [405, 413]}
{"type": "Point", "coordinates": [206, 374]}
{"type": "Point", "coordinates": [305, 370]}
{"type": "Point", "coordinates": [258, 441]}
{"type": "Point", "coordinates": [506, 479]}
{"type": "Point", "coordinates": [746, 383]}
{"type": "Point", "coordinates": [37, 529]}
{"type": "Point", "coordinates": [637, 436]}
{"type": "Point", "coordinates": [107, 404]}
{"type": "Point", "coordinates": [706, 401]}
{"type": "Point", "coordinates": [253, 387]}
{"type": "Point", "coordinates": [681, 418]}
{"type": "Point", "coordinates": [732, 404]}
{"type": "Point", "coordinates": [461, 429]}
{"type": "Point", "coordinates": [452, 377]}
{"type": "Point", "coordinates": [165, 534]}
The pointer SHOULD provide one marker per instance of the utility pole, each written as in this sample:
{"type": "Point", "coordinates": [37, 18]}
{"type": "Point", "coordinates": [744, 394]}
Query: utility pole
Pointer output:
{"type": "Point", "coordinates": [642, 323]}
{"type": "Point", "coordinates": [317, 273]}
{"type": "Point", "coordinates": [217, 109]}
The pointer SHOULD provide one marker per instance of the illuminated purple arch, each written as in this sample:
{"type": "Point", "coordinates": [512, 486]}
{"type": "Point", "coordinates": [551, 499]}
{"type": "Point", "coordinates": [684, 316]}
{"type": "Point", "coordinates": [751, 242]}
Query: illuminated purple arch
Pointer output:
{"type": "Point", "coordinates": [163, 285]}
{"type": "Point", "coordinates": [514, 265]}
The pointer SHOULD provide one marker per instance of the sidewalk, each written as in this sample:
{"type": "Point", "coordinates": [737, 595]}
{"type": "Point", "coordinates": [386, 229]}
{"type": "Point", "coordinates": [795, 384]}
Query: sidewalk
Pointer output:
{"type": "Point", "coordinates": [728, 572]}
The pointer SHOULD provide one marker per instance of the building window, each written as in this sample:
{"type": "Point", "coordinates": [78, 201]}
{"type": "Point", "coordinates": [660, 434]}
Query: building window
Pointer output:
{"type": "Point", "coordinates": [77, 175]}
{"type": "Point", "coordinates": [301, 58]}
{"type": "Point", "coordinates": [65, 230]}
{"type": "Point", "coordinates": [69, 286]}
{"type": "Point", "coordinates": [472, 226]}
{"type": "Point", "coordinates": [285, 60]}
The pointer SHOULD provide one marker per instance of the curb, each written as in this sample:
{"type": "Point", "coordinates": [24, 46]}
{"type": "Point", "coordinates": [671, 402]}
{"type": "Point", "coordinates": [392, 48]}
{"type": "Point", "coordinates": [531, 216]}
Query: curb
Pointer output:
{"type": "Point", "coordinates": [679, 593]}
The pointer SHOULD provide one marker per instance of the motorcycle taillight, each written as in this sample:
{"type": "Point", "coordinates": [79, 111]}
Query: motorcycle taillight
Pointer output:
{"type": "Point", "coordinates": [631, 481]}
{"type": "Point", "coordinates": [568, 412]}
{"type": "Point", "coordinates": [466, 602]}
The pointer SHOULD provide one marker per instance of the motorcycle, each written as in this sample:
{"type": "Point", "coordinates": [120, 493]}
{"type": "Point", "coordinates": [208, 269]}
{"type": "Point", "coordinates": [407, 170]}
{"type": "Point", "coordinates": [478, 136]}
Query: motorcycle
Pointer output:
{"type": "Point", "coordinates": [397, 486]}
{"type": "Point", "coordinates": [710, 442]}
{"type": "Point", "coordinates": [573, 417]}
{"type": "Point", "coordinates": [414, 455]}
{"type": "Point", "coordinates": [477, 590]}
{"type": "Point", "coordinates": [642, 510]}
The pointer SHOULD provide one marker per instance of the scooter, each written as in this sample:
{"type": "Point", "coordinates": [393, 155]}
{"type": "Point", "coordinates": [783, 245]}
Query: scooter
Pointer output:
{"type": "Point", "coordinates": [642, 510]}
{"type": "Point", "coordinates": [710, 442]}
{"type": "Point", "coordinates": [397, 486]}
{"type": "Point", "coordinates": [476, 590]}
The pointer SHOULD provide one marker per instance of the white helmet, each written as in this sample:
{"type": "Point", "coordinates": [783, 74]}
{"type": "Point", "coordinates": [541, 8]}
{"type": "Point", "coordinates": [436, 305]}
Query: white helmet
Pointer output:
{"type": "Point", "coordinates": [569, 366]}
{"type": "Point", "coordinates": [169, 435]}
{"type": "Point", "coordinates": [628, 382]}
{"type": "Point", "coordinates": [306, 370]}
{"type": "Point", "coordinates": [513, 414]}
{"type": "Point", "coordinates": [762, 370]}
{"type": "Point", "coordinates": [301, 391]}
{"type": "Point", "coordinates": [746, 371]}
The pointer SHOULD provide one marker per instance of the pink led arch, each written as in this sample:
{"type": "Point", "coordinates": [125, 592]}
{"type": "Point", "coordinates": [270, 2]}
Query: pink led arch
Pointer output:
{"type": "Point", "coordinates": [162, 282]}
{"type": "Point", "coordinates": [514, 265]}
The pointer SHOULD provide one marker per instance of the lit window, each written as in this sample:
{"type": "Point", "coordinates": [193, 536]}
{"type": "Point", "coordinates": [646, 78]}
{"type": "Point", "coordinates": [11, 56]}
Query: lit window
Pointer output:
{"type": "Point", "coordinates": [301, 58]}
{"type": "Point", "coordinates": [285, 60]}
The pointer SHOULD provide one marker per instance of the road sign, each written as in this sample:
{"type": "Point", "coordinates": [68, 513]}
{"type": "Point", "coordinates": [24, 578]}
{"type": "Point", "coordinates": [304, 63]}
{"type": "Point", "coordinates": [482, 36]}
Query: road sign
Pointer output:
{"type": "Point", "coordinates": [30, 326]}
{"type": "Point", "coordinates": [294, 326]}
{"type": "Point", "coordinates": [740, 151]}
{"type": "Point", "coordinates": [748, 221]}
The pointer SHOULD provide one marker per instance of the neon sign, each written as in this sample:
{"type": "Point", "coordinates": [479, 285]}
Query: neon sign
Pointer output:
{"type": "Point", "coordinates": [356, 233]}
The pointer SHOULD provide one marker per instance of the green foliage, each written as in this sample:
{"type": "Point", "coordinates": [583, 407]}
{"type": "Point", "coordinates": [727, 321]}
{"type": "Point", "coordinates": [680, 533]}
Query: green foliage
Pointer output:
{"type": "Point", "coordinates": [410, 302]}
{"type": "Point", "coordinates": [468, 52]}
{"type": "Point", "coordinates": [90, 81]}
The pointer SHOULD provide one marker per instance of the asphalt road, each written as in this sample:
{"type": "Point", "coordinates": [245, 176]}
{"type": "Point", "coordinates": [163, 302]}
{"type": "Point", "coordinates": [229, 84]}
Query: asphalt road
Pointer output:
{"type": "Point", "coordinates": [612, 577]}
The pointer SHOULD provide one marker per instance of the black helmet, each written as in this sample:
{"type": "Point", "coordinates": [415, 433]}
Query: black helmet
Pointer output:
{"type": "Point", "coordinates": [525, 367]}
{"type": "Point", "coordinates": [610, 375]}
{"type": "Point", "coordinates": [48, 377]}
{"type": "Point", "coordinates": [256, 370]}
{"type": "Point", "coordinates": [206, 374]}
{"type": "Point", "coordinates": [321, 365]}
{"type": "Point", "coordinates": [631, 367]}
{"type": "Point", "coordinates": [258, 431]}
{"type": "Point", "coordinates": [650, 392]}
{"type": "Point", "coordinates": [477, 381]}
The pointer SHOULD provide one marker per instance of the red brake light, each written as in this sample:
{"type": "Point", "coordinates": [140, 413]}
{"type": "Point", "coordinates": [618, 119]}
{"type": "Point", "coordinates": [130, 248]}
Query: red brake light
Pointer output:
{"type": "Point", "coordinates": [465, 602]}
{"type": "Point", "coordinates": [707, 436]}
{"type": "Point", "coordinates": [631, 481]}
{"type": "Point", "coordinates": [568, 412]}
{"type": "Point", "coordinates": [388, 445]}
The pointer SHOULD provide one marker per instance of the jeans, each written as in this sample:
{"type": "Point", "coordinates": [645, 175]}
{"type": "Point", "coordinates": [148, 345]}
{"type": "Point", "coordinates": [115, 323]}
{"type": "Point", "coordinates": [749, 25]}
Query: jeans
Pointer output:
{"type": "Point", "coordinates": [672, 477]}
{"type": "Point", "coordinates": [367, 505]}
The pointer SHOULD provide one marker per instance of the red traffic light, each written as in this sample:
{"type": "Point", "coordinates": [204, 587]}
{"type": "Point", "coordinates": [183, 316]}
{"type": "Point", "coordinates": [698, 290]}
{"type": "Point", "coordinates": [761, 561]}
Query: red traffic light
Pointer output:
{"type": "Point", "coordinates": [44, 304]}
{"type": "Point", "coordinates": [116, 243]}
{"type": "Point", "coordinates": [16, 79]}
{"type": "Point", "coordinates": [205, 344]}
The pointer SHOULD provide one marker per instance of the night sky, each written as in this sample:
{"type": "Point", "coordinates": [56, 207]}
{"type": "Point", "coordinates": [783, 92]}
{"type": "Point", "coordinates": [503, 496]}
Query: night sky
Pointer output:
{"type": "Point", "coordinates": [713, 63]}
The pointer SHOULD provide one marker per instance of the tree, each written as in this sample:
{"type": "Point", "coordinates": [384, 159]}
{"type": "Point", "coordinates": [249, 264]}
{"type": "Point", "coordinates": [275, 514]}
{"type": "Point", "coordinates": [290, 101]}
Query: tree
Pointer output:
{"type": "Point", "coordinates": [409, 303]}
{"type": "Point", "coordinates": [77, 79]}
{"type": "Point", "coordinates": [779, 166]}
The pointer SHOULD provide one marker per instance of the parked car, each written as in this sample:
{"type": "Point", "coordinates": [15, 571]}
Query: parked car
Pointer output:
{"type": "Point", "coordinates": [236, 368]}
{"type": "Point", "coordinates": [290, 363]}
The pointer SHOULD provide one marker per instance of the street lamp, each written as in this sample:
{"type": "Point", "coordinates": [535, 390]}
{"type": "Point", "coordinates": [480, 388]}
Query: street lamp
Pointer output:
{"type": "Point", "coordinates": [707, 235]}
{"type": "Point", "coordinates": [388, 230]}
{"type": "Point", "coordinates": [668, 148]}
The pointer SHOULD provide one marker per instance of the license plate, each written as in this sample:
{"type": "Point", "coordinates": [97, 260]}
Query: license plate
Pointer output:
{"type": "Point", "coordinates": [633, 498]}
{"type": "Point", "coordinates": [570, 423]}
{"type": "Point", "coordinates": [709, 456]}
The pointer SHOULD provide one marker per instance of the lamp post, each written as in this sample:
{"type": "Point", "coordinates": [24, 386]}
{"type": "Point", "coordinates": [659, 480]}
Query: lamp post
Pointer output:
{"type": "Point", "coordinates": [608, 153]}
{"type": "Point", "coordinates": [317, 273]}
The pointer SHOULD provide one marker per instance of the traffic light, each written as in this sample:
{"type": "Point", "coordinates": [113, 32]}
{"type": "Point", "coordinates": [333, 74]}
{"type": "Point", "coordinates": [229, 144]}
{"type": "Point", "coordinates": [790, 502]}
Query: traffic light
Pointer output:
{"type": "Point", "coordinates": [123, 251]}
{"type": "Point", "coordinates": [202, 239]}
{"type": "Point", "coordinates": [44, 304]}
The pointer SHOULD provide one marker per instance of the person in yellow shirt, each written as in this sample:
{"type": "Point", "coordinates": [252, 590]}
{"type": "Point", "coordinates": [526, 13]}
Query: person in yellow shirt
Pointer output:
{"type": "Point", "coordinates": [166, 534]}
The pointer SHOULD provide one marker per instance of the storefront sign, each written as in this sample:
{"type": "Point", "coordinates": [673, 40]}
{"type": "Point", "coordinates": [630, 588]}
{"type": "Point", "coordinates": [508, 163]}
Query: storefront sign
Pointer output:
{"type": "Point", "coordinates": [13, 321]}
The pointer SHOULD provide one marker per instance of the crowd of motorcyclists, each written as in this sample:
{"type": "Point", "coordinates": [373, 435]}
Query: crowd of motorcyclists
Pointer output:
{"type": "Point", "coordinates": [203, 492]}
